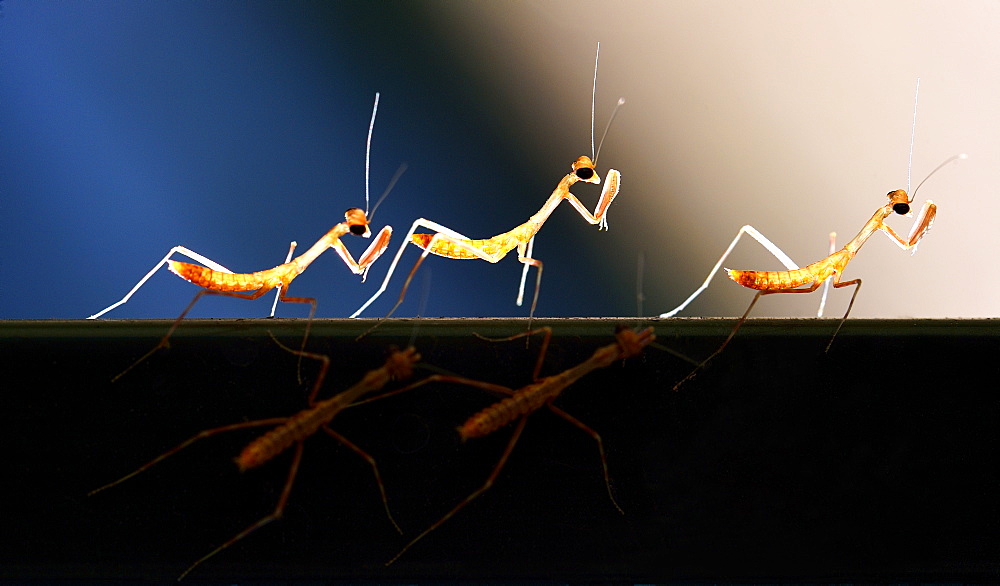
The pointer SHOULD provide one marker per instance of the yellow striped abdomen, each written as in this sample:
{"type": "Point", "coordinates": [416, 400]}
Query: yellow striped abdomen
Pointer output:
{"type": "Point", "coordinates": [448, 248]}
{"type": "Point", "coordinates": [217, 280]}
{"type": "Point", "coordinates": [773, 280]}
{"type": "Point", "coordinates": [817, 272]}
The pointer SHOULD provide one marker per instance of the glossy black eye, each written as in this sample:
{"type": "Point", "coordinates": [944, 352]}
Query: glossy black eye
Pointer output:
{"type": "Point", "coordinates": [358, 229]}
{"type": "Point", "coordinates": [901, 208]}
{"type": "Point", "coordinates": [585, 173]}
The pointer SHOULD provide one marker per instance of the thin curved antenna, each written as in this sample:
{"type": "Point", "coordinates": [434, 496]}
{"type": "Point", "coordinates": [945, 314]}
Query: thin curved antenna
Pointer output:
{"type": "Point", "coordinates": [958, 157]}
{"type": "Point", "coordinates": [909, 165]}
{"type": "Point", "coordinates": [368, 149]}
{"type": "Point", "coordinates": [392, 183]}
{"type": "Point", "coordinates": [913, 133]}
{"type": "Point", "coordinates": [621, 102]}
{"type": "Point", "coordinates": [595, 153]}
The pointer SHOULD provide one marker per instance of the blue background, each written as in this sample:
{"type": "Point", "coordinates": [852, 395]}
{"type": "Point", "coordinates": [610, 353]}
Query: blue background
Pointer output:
{"type": "Point", "coordinates": [233, 129]}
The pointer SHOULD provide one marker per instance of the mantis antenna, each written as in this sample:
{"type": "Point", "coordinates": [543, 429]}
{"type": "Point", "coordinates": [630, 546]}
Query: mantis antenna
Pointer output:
{"type": "Point", "coordinates": [392, 183]}
{"type": "Point", "coordinates": [593, 105]}
{"type": "Point", "coordinates": [368, 150]}
{"type": "Point", "coordinates": [913, 133]}
{"type": "Point", "coordinates": [595, 152]}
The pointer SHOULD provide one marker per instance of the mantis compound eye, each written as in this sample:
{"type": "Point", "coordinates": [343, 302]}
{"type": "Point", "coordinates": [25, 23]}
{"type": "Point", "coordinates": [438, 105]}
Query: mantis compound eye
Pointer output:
{"type": "Point", "coordinates": [901, 208]}
{"type": "Point", "coordinates": [585, 173]}
{"type": "Point", "coordinates": [358, 223]}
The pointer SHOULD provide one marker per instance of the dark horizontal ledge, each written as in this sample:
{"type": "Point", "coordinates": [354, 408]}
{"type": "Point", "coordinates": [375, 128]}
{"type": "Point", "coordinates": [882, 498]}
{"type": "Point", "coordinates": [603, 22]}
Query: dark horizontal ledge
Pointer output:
{"type": "Point", "coordinates": [685, 326]}
{"type": "Point", "coordinates": [877, 461]}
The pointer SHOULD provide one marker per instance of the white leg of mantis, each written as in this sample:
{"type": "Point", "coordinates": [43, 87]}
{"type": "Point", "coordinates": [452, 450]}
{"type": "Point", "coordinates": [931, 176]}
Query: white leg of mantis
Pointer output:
{"type": "Point", "coordinates": [748, 229]}
{"type": "Point", "coordinates": [921, 226]}
{"type": "Point", "coordinates": [524, 272]}
{"type": "Point", "coordinates": [374, 250]}
{"type": "Point", "coordinates": [277, 294]}
{"type": "Point", "coordinates": [418, 223]}
{"type": "Point", "coordinates": [612, 185]}
{"type": "Point", "coordinates": [464, 244]}
{"type": "Point", "coordinates": [179, 250]}
{"type": "Point", "coordinates": [826, 284]}
{"type": "Point", "coordinates": [370, 255]}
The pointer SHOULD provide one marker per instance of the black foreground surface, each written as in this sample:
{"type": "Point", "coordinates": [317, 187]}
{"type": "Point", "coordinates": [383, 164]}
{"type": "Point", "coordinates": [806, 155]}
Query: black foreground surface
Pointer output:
{"type": "Point", "coordinates": [877, 461]}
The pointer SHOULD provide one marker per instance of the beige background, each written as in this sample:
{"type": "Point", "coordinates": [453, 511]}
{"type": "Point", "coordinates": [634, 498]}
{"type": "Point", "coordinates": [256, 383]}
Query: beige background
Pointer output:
{"type": "Point", "coordinates": [794, 117]}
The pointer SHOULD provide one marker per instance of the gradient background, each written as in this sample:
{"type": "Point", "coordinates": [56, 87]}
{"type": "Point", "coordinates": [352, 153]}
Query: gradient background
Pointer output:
{"type": "Point", "coordinates": [232, 128]}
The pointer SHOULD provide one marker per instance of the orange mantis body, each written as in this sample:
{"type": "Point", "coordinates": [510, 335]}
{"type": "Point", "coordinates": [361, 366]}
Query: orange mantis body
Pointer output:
{"type": "Point", "coordinates": [281, 276]}
{"type": "Point", "coordinates": [521, 403]}
{"type": "Point", "coordinates": [830, 269]}
{"type": "Point", "coordinates": [495, 248]}
{"type": "Point", "coordinates": [218, 280]}
{"type": "Point", "coordinates": [450, 244]}
{"type": "Point", "coordinates": [834, 265]}
{"type": "Point", "coordinates": [293, 431]}
{"type": "Point", "coordinates": [807, 279]}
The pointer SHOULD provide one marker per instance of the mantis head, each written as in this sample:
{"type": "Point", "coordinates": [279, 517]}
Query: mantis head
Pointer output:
{"type": "Point", "coordinates": [900, 201]}
{"type": "Point", "coordinates": [357, 222]}
{"type": "Point", "coordinates": [583, 168]}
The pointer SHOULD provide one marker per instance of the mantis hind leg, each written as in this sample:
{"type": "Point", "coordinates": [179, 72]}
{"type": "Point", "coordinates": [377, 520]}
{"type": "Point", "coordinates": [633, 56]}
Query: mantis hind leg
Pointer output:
{"type": "Point", "coordinates": [177, 249]}
{"type": "Point", "coordinates": [837, 285]}
{"type": "Point", "coordinates": [752, 232]}
{"type": "Point", "coordinates": [288, 257]}
{"type": "Point", "coordinates": [719, 350]}
{"type": "Point", "coordinates": [743, 318]}
{"type": "Point", "coordinates": [165, 340]}
{"type": "Point", "coordinates": [305, 337]}
{"type": "Point", "coordinates": [524, 256]}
